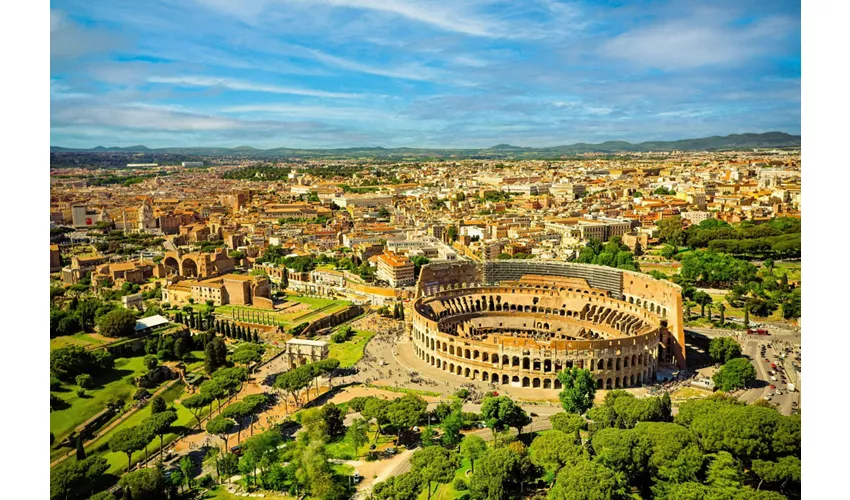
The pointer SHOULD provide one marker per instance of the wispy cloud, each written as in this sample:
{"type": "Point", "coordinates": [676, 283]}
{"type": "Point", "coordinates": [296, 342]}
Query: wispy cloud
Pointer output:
{"type": "Point", "coordinates": [69, 40]}
{"type": "Point", "coordinates": [419, 73]}
{"type": "Point", "coordinates": [696, 41]}
{"type": "Point", "coordinates": [231, 84]}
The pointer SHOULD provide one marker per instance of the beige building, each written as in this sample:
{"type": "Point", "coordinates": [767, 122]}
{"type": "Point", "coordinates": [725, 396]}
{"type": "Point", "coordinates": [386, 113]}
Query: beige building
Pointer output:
{"type": "Point", "coordinates": [395, 269]}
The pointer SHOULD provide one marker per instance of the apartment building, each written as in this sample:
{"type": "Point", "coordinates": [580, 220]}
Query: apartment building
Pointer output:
{"type": "Point", "coordinates": [395, 269]}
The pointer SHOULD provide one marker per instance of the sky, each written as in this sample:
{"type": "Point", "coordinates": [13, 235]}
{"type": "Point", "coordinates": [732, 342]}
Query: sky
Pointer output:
{"type": "Point", "coordinates": [420, 73]}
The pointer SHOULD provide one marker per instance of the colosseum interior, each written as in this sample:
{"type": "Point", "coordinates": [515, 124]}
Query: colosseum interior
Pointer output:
{"type": "Point", "coordinates": [519, 323]}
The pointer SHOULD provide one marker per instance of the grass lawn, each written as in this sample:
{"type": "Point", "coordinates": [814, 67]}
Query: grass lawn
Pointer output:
{"type": "Point", "coordinates": [404, 390]}
{"type": "Point", "coordinates": [737, 312]}
{"type": "Point", "coordinates": [318, 308]}
{"type": "Point", "coordinates": [690, 393]}
{"type": "Point", "coordinates": [80, 339]}
{"type": "Point", "coordinates": [349, 352]}
{"type": "Point", "coordinates": [109, 385]}
{"type": "Point", "coordinates": [794, 270]}
{"type": "Point", "coordinates": [195, 365]}
{"type": "Point", "coordinates": [118, 461]}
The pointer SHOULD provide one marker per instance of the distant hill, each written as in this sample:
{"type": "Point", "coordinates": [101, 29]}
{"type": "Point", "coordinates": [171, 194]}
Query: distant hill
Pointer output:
{"type": "Point", "coordinates": [715, 143]}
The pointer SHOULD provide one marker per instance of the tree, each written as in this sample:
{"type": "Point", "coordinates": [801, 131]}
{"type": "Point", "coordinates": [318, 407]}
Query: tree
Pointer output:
{"type": "Point", "coordinates": [724, 349]}
{"type": "Point", "coordinates": [568, 423]}
{"type": "Point", "coordinates": [778, 473]}
{"type": "Point", "coordinates": [579, 389]}
{"type": "Point", "coordinates": [294, 381]}
{"type": "Point", "coordinates": [452, 426]}
{"type": "Point", "coordinates": [722, 309]}
{"type": "Point", "coordinates": [498, 476]}
{"type": "Point", "coordinates": [220, 426]}
{"type": "Point", "coordinates": [702, 299]}
{"type": "Point", "coordinates": [84, 380]}
{"type": "Point", "coordinates": [725, 472]}
{"type": "Point", "coordinates": [405, 412]}
{"type": "Point", "coordinates": [688, 306]}
{"type": "Point", "coordinates": [81, 452]}
{"type": "Point", "coordinates": [434, 464]}
{"type": "Point", "coordinates": [127, 441]}
{"type": "Point", "coordinates": [196, 404]}
{"type": "Point", "coordinates": [238, 412]}
{"type": "Point", "coordinates": [160, 425]}
{"type": "Point", "coordinates": [117, 323]}
{"type": "Point", "coordinates": [158, 405]}
{"type": "Point", "coordinates": [357, 433]}
{"type": "Point", "coordinates": [76, 479]}
{"type": "Point", "coordinates": [186, 467]}
{"type": "Point", "coordinates": [671, 230]}
{"type": "Point", "coordinates": [334, 420]}
{"type": "Point", "coordinates": [588, 481]}
{"type": "Point", "coordinates": [216, 389]}
{"type": "Point", "coordinates": [501, 412]}
{"type": "Point", "coordinates": [254, 404]}
{"type": "Point", "coordinates": [471, 448]}
{"type": "Point", "coordinates": [554, 450]}
{"type": "Point", "coordinates": [737, 373]}
{"type": "Point", "coordinates": [403, 487]}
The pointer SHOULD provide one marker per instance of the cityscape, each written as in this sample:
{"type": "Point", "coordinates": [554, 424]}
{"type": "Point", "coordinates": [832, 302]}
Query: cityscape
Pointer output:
{"type": "Point", "coordinates": [395, 306]}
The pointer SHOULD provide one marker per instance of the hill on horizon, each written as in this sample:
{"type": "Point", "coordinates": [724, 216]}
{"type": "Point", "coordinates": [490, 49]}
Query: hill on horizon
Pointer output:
{"type": "Point", "coordinates": [714, 143]}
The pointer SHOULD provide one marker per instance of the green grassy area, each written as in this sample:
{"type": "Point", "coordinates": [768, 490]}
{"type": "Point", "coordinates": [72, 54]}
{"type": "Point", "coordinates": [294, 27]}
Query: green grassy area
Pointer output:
{"type": "Point", "coordinates": [319, 307]}
{"type": "Point", "coordinates": [736, 312]}
{"type": "Point", "coordinates": [404, 390]}
{"type": "Point", "coordinates": [349, 352]}
{"type": "Point", "coordinates": [79, 339]}
{"type": "Point", "coordinates": [794, 270]}
{"type": "Point", "coordinates": [108, 386]}
{"type": "Point", "coordinates": [447, 491]}
{"type": "Point", "coordinates": [195, 365]}
{"type": "Point", "coordinates": [344, 450]}
{"type": "Point", "coordinates": [118, 461]}
{"type": "Point", "coordinates": [689, 393]}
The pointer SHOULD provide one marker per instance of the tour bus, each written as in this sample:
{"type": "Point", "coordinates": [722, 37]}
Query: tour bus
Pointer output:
{"type": "Point", "coordinates": [757, 331]}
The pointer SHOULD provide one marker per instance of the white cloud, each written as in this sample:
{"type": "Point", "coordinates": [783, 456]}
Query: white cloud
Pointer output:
{"type": "Point", "coordinates": [208, 81]}
{"type": "Point", "coordinates": [312, 112]}
{"type": "Point", "coordinates": [698, 41]}
{"type": "Point", "coordinates": [68, 40]}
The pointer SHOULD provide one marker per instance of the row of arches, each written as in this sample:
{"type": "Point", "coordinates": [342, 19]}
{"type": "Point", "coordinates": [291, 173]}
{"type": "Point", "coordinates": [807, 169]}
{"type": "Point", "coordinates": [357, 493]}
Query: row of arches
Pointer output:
{"type": "Point", "coordinates": [619, 382]}
{"type": "Point", "coordinates": [649, 306]}
{"type": "Point", "coordinates": [619, 319]}
{"type": "Point", "coordinates": [617, 363]}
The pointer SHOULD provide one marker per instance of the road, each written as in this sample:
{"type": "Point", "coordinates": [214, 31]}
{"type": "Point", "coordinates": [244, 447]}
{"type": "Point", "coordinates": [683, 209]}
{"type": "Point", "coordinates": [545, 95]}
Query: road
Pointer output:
{"type": "Point", "coordinates": [780, 339]}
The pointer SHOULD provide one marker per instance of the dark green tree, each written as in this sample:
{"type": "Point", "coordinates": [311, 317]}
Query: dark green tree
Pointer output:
{"type": "Point", "coordinates": [579, 389]}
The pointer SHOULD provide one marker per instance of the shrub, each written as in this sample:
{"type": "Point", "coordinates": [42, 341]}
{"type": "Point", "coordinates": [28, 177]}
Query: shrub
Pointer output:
{"type": "Point", "coordinates": [459, 484]}
{"type": "Point", "coordinates": [55, 384]}
{"type": "Point", "coordinates": [118, 323]}
{"type": "Point", "coordinates": [84, 380]}
{"type": "Point", "coordinates": [462, 394]}
{"type": "Point", "coordinates": [141, 393]}
{"type": "Point", "coordinates": [81, 393]}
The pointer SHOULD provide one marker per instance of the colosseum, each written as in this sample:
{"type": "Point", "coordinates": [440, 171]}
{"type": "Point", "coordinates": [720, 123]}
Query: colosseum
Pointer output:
{"type": "Point", "coordinates": [520, 322]}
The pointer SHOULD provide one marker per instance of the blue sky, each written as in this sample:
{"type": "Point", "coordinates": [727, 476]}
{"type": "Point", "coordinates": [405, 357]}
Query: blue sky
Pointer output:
{"type": "Point", "coordinates": [465, 73]}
